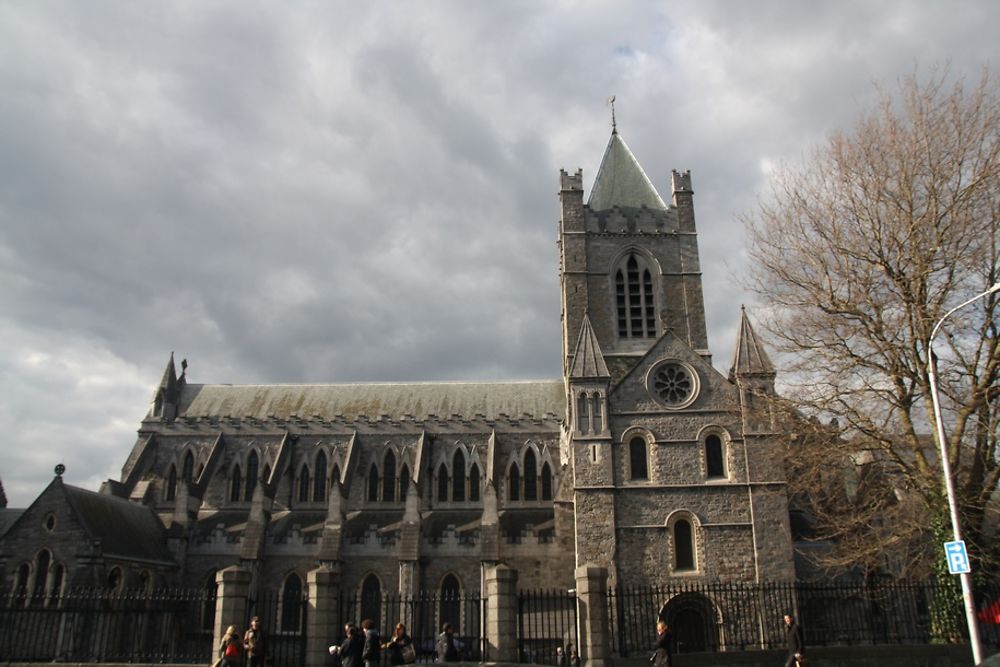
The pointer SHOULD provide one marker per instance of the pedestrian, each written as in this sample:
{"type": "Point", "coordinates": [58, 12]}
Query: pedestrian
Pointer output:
{"type": "Point", "coordinates": [574, 657]}
{"type": "Point", "coordinates": [560, 657]}
{"type": "Point", "coordinates": [371, 653]}
{"type": "Point", "coordinates": [447, 650]}
{"type": "Point", "coordinates": [400, 647]}
{"type": "Point", "coordinates": [352, 646]}
{"type": "Point", "coordinates": [663, 657]}
{"type": "Point", "coordinates": [229, 649]}
{"type": "Point", "coordinates": [795, 641]}
{"type": "Point", "coordinates": [255, 644]}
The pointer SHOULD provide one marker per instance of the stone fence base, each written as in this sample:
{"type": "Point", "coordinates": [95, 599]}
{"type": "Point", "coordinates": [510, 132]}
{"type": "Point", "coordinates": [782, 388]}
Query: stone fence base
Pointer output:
{"type": "Point", "coordinates": [909, 655]}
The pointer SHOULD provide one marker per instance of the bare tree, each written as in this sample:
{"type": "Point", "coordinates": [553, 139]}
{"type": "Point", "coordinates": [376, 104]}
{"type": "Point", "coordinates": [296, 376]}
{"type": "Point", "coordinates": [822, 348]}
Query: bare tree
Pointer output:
{"type": "Point", "coordinates": [859, 251]}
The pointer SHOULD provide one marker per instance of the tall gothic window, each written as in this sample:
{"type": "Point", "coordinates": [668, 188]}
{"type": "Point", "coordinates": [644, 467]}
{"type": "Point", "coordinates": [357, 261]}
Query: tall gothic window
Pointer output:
{"type": "Point", "coordinates": [172, 483]}
{"type": "Point", "coordinates": [598, 413]}
{"type": "Point", "coordinates": [404, 481]}
{"type": "Point", "coordinates": [304, 484]}
{"type": "Point", "coordinates": [634, 300]}
{"type": "Point", "coordinates": [530, 476]}
{"type": "Point", "coordinates": [187, 473]}
{"type": "Point", "coordinates": [474, 483]}
{"type": "Point", "coordinates": [683, 545]}
{"type": "Point", "coordinates": [546, 481]}
{"type": "Point", "coordinates": [514, 483]}
{"type": "Point", "coordinates": [458, 476]}
{"type": "Point", "coordinates": [451, 603]}
{"type": "Point", "coordinates": [236, 485]}
{"type": "Point", "coordinates": [714, 460]}
{"type": "Point", "coordinates": [583, 414]}
{"type": "Point", "coordinates": [373, 483]}
{"type": "Point", "coordinates": [291, 604]}
{"type": "Point", "coordinates": [371, 599]}
{"type": "Point", "coordinates": [389, 477]}
{"type": "Point", "coordinates": [638, 465]}
{"type": "Point", "coordinates": [41, 572]}
{"type": "Point", "coordinates": [442, 481]}
{"type": "Point", "coordinates": [319, 481]}
{"type": "Point", "coordinates": [253, 471]}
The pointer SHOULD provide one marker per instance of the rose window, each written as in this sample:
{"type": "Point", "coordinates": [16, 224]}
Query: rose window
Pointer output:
{"type": "Point", "coordinates": [674, 384]}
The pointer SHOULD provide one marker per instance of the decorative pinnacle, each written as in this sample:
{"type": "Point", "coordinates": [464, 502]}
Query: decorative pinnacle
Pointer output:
{"type": "Point", "coordinates": [614, 124]}
{"type": "Point", "coordinates": [60, 469]}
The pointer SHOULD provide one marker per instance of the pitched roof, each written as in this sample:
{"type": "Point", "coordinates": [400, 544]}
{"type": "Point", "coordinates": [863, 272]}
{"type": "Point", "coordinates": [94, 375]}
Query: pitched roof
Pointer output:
{"type": "Point", "coordinates": [125, 529]}
{"type": "Point", "coordinates": [749, 357]}
{"type": "Point", "coordinates": [621, 181]}
{"type": "Point", "coordinates": [395, 401]}
{"type": "Point", "coordinates": [588, 361]}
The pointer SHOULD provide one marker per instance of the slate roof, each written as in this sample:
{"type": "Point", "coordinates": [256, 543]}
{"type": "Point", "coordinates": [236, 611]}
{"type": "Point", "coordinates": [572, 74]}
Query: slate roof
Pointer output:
{"type": "Point", "coordinates": [420, 401]}
{"type": "Point", "coordinates": [7, 518]}
{"type": "Point", "coordinates": [749, 357]}
{"type": "Point", "coordinates": [588, 361]}
{"type": "Point", "coordinates": [621, 181]}
{"type": "Point", "coordinates": [125, 529]}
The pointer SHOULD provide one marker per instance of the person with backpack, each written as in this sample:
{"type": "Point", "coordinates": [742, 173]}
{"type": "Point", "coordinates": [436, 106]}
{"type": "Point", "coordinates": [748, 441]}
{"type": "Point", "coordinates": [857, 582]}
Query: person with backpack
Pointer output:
{"type": "Point", "coordinates": [230, 651]}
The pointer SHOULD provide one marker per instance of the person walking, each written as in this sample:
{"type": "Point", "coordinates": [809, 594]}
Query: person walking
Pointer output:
{"type": "Point", "coordinates": [230, 651]}
{"type": "Point", "coordinates": [255, 644]}
{"type": "Point", "coordinates": [447, 651]}
{"type": "Point", "coordinates": [400, 647]}
{"type": "Point", "coordinates": [352, 647]}
{"type": "Point", "coordinates": [371, 652]}
{"type": "Point", "coordinates": [663, 657]}
{"type": "Point", "coordinates": [795, 641]}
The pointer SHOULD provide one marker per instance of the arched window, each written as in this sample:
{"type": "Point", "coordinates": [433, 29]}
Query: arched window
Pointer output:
{"type": "Point", "coordinates": [404, 481]}
{"type": "Point", "coordinates": [304, 484]}
{"type": "Point", "coordinates": [442, 483]}
{"type": "Point", "coordinates": [319, 482]}
{"type": "Point", "coordinates": [634, 300]}
{"type": "Point", "coordinates": [208, 603]}
{"type": "Point", "coordinates": [236, 484]}
{"type": "Point", "coordinates": [389, 477]}
{"type": "Point", "coordinates": [372, 483]}
{"type": "Point", "coordinates": [451, 603]}
{"type": "Point", "coordinates": [514, 483]}
{"type": "Point", "coordinates": [371, 599]}
{"type": "Point", "coordinates": [638, 465]}
{"type": "Point", "coordinates": [582, 414]}
{"type": "Point", "coordinates": [145, 581]}
{"type": "Point", "coordinates": [115, 580]}
{"type": "Point", "coordinates": [458, 476]}
{"type": "Point", "coordinates": [187, 471]}
{"type": "Point", "coordinates": [42, 561]}
{"type": "Point", "coordinates": [714, 457]}
{"type": "Point", "coordinates": [683, 546]}
{"type": "Point", "coordinates": [598, 413]}
{"type": "Point", "coordinates": [546, 481]}
{"type": "Point", "coordinates": [474, 483]}
{"type": "Point", "coordinates": [253, 471]}
{"type": "Point", "coordinates": [21, 580]}
{"type": "Point", "coordinates": [291, 604]}
{"type": "Point", "coordinates": [530, 476]}
{"type": "Point", "coordinates": [171, 490]}
{"type": "Point", "coordinates": [58, 572]}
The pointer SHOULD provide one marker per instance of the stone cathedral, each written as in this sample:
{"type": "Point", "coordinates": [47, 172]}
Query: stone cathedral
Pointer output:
{"type": "Point", "coordinates": [642, 458]}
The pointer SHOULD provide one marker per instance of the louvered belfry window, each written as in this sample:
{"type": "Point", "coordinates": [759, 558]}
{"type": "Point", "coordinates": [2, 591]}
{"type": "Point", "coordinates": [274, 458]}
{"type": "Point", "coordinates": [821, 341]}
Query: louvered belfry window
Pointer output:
{"type": "Point", "coordinates": [634, 301]}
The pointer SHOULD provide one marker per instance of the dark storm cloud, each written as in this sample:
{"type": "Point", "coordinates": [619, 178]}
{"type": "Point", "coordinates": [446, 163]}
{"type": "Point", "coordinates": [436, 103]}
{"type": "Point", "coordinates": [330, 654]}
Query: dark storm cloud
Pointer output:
{"type": "Point", "coordinates": [367, 191]}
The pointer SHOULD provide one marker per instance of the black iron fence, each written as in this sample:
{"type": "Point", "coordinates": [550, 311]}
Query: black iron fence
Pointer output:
{"type": "Point", "coordinates": [546, 621]}
{"type": "Point", "coordinates": [424, 616]}
{"type": "Point", "coordinates": [95, 625]}
{"type": "Point", "coordinates": [718, 617]}
{"type": "Point", "coordinates": [283, 616]}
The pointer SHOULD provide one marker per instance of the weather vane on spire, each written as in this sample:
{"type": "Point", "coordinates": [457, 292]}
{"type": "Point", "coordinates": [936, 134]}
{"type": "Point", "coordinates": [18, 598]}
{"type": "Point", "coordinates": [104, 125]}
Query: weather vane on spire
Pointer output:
{"type": "Point", "coordinates": [614, 125]}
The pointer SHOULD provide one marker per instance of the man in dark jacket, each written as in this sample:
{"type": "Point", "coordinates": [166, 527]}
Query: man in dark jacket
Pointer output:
{"type": "Point", "coordinates": [372, 652]}
{"type": "Point", "coordinates": [795, 641]}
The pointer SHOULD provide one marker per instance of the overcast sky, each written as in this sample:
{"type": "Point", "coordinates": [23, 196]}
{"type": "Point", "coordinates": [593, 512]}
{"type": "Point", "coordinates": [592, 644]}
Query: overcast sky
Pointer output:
{"type": "Point", "coordinates": [354, 191]}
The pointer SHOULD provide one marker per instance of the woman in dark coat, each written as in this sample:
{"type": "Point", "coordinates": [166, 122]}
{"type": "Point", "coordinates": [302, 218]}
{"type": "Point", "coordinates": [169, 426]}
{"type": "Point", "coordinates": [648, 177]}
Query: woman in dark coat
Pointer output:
{"type": "Point", "coordinates": [796, 642]}
{"type": "Point", "coordinates": [395, 645]}
{"type": "Point", "coordinates": [664, 646]}
{"type": "Point", "coordinates": [350, 650]}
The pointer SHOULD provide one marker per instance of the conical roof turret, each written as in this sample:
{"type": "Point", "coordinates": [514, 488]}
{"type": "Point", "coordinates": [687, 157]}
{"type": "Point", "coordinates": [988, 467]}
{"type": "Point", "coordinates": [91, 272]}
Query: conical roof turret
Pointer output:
{"type": "Point", "coordinates": [749, 359]}
{"type": "Point", "coordinates": [588, 360]}
{"type": "Point", "coordinates": [621, 181]}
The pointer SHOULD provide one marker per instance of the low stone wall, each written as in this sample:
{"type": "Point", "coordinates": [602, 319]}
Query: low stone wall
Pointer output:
{"type": "Point", "coordinates": [935, 655]}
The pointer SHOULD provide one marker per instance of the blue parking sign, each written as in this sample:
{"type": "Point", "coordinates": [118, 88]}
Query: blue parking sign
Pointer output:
{"type": "Point", "coordinates": [957, 557]}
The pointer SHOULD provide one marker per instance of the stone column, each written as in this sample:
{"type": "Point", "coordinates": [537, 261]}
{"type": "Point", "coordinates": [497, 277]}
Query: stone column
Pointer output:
{"type": "Point", "coordinates": [323, 615]}
{"type": "Point", "coordinates": [230, 602]}
{"type": "Point", "coordinates": [501, 614]}
{"type": "Point", "coordinates": [592, 610]}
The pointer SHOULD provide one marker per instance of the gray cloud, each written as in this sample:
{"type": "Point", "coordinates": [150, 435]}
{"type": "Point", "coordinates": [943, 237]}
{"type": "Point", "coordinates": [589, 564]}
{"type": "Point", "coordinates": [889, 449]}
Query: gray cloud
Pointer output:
{"type": "Point", "coordinates": [366, 191]}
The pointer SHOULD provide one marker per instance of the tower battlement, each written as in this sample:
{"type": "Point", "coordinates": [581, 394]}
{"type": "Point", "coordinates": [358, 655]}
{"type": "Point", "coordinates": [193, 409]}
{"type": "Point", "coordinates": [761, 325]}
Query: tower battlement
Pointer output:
{"type": "Point", "coordinates": [681, 182]}
{"type": "Point", "coordinates": [571, 181]}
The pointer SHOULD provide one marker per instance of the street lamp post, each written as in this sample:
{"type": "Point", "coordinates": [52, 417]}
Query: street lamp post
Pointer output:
{"type": "Point", "coordinates": [970, 604]}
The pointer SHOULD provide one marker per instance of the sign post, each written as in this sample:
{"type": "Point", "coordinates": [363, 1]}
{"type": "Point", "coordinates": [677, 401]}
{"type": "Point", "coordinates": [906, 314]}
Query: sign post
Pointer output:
{"type": "Point", "coordinates": [957, 557]}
